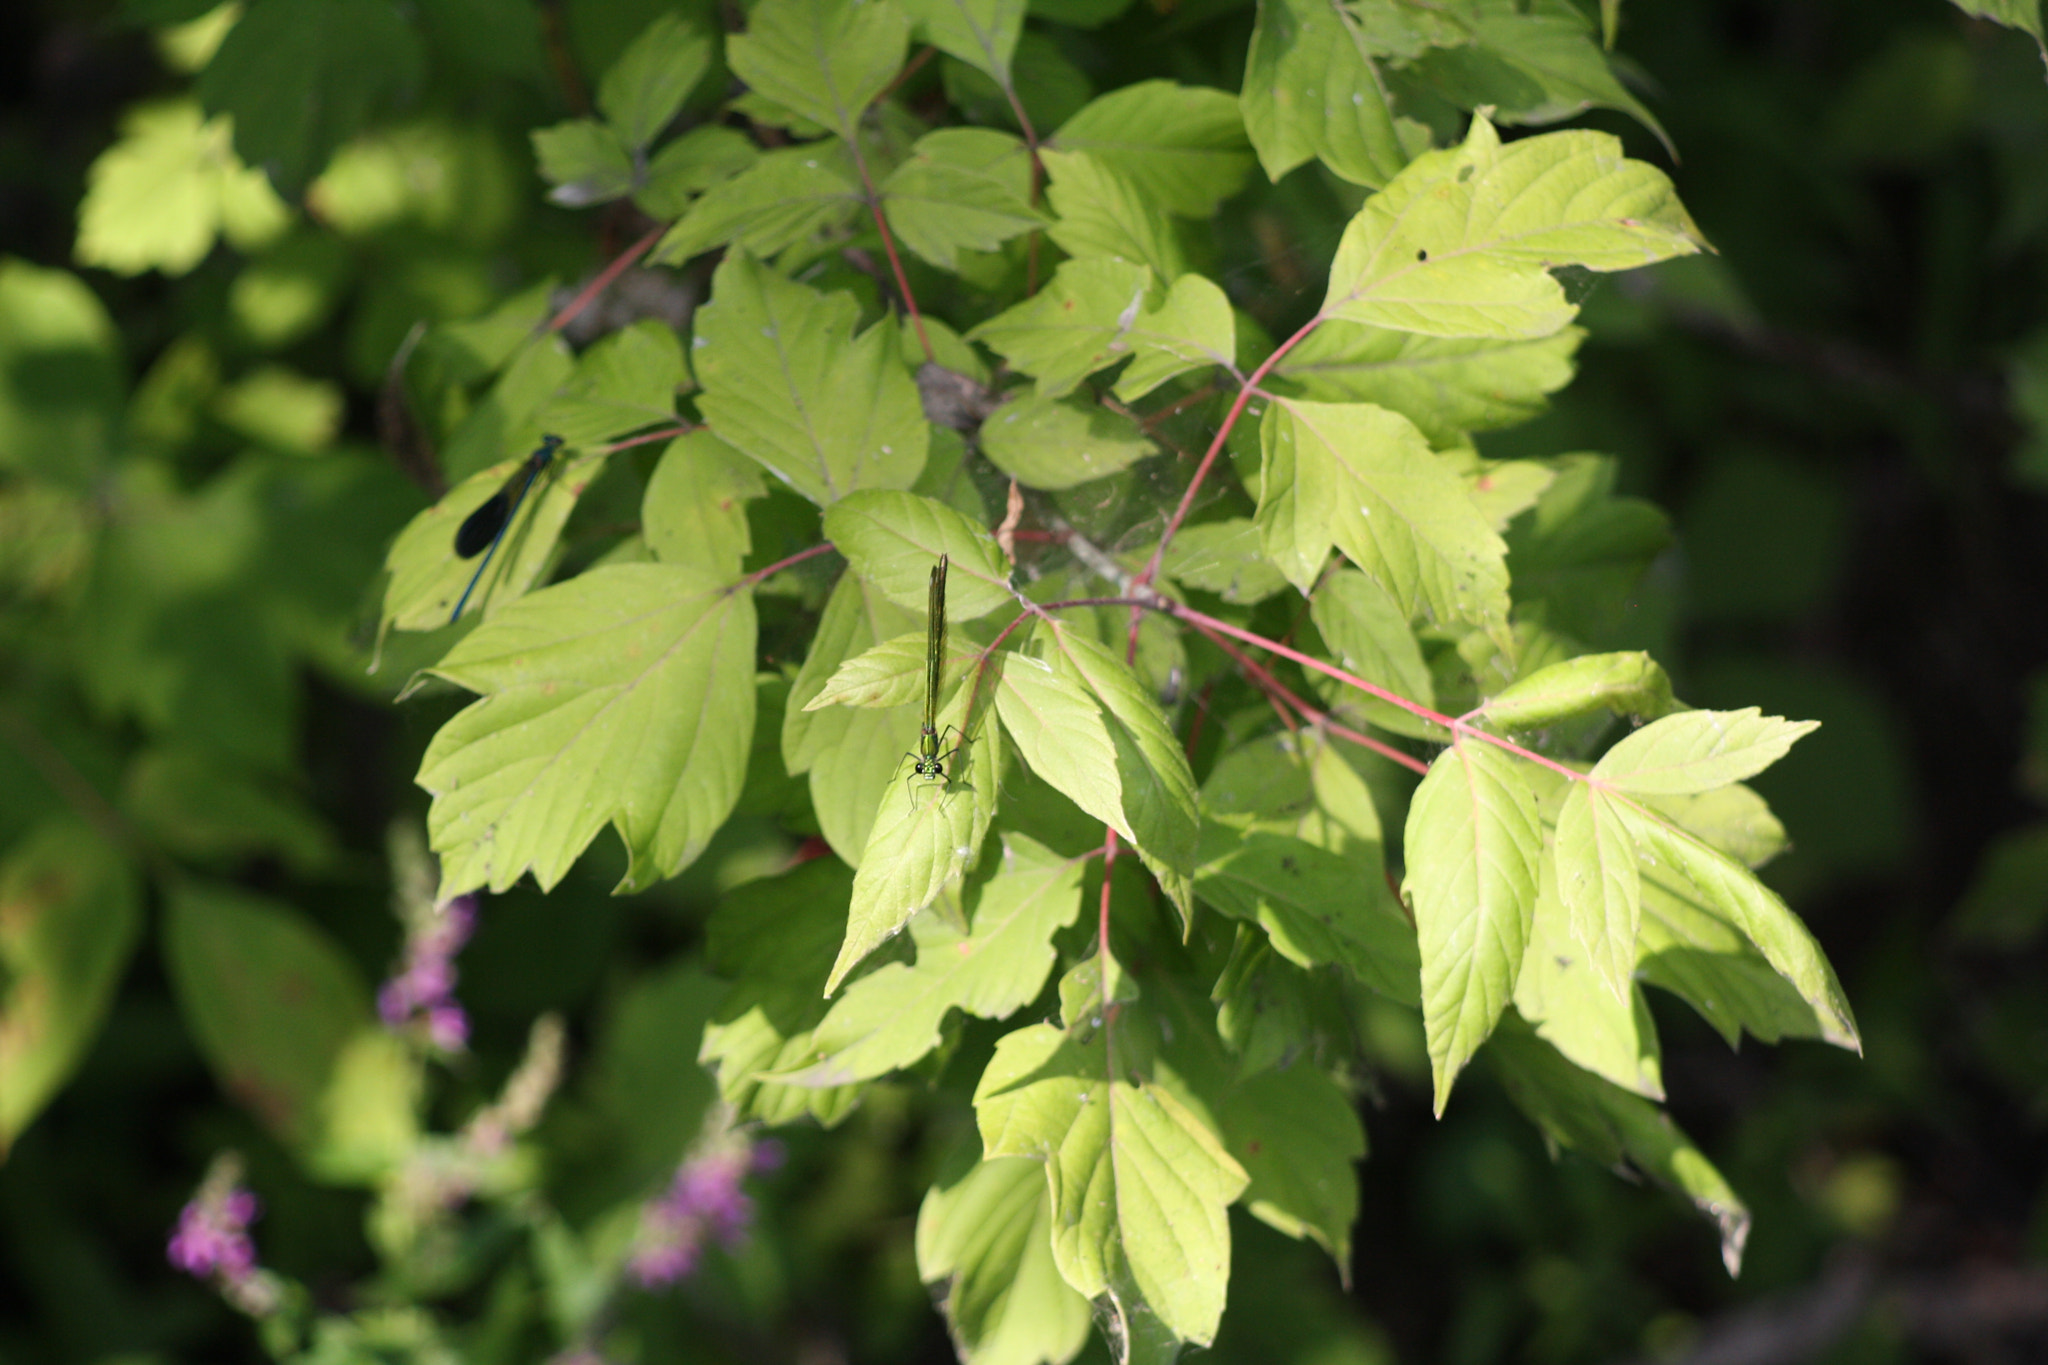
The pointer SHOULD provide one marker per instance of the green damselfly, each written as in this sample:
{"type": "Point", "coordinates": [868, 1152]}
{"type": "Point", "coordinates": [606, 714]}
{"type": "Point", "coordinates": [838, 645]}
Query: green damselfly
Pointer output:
{"type": "Point", "coordinates": [926, 762]}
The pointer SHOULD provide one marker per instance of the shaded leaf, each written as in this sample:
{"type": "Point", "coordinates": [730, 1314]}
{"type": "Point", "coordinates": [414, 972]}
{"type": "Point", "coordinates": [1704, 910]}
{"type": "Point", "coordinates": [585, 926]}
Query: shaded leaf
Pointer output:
{"type": "Point", "coordinates": [960, 189]}
{"type": "Point", "coordinates": [1182, 146]}
{"type": "Point", "coordinates": [825, 60]}
{"type": "Point", "coordinates": [1073, 327]}
{"type": "Point", "coordinates": [786, 196]}
{"type": "Point", "coordinates": [1312, 90]}
{"type": "Point", "coordinates": [1051, 444]}
{"type": "Point", "coordinates": [1099, 211]}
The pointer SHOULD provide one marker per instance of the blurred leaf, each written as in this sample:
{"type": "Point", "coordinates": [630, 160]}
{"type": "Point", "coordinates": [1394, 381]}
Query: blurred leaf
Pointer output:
{"type": "Point", "coordinates": [200, 806]}
{"type": "Point", "coordinates": [350, 60]}
{"type": "Point", "coordinates": [2006, 905]}
{"type": "Point", "coordinates": [70, 911]}
{"type": "Point", "coordinates": [1043, 78]}
{"type": "Point", "coordinates": [686, 166]}
{"type": "Point", "coordinates": [787, 383]}
{"type": "Point", "coordinates": [645, 1077]}
{"type": "Point", "coordinates": [282, 409]}
{"type": "Point", "coordinates": [60, 375]}
{"type": "Point", "coordinates": [624, 697]}
{"type": "Point", "coordinates": [285, 1023]}
{"type": "Point", "coordinates": [160, 197]}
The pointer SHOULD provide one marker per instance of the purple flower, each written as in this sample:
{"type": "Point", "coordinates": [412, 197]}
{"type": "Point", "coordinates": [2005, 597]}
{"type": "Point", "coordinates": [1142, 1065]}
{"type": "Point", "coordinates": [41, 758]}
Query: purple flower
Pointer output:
{"type": "Point", "coordinates": [422, 994]}
{"type": "Point", "coordinates": [212, 1240]}
{"type": "Point", "coordinates": [703, 1200]}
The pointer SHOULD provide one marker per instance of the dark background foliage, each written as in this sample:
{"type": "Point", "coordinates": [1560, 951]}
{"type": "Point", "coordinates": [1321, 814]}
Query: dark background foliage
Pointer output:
{"type": "Point", "coordinates": [1835, 411]}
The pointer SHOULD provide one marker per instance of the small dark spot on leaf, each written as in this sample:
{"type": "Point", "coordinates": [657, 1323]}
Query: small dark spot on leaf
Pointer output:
{"type": "Point", "coordinates": [1422, 253]}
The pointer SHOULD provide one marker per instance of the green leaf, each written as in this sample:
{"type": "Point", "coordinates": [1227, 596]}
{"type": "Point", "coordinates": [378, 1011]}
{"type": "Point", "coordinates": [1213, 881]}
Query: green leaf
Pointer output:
{"type": "Point", "coordinates": [1223, 557]}
{"type": "Point", "coordinates": [1290, 842]}
{"type": "Point", "coordinates": [961, 189]}
{"type": "Point", "coordinates": [585, 161]}
{"type": "Point", "coordinates": [1073, 327]}
{"type": "Point", "coordinates": [1299, 1139]}
{"type": "Point", "coordinates": [893, 540]}
{"type": "Point", "coordinates": [1365, 479]}
{"type": "Point", "coordinates": [1145, 790]}
{"type": "Point", "coordinates": [1311, 90]}
{"type": "Point", "coordinates": [1182, 146]}
{"type": "Point", "coordinates": [1371, 638]}
{"type": "Point", "coordinates": [1140, 1187]}
{"type": "Point", "coordinates": [981, 33]}
{"type": "Point", "coordinates": [624, 382]}
{"type": "Point", "coordinates": [1532, 66]}
{"type": "Point", "coordinates": [644, 1079]}
{"type": "Point", "coordinates": [695, 509]}
{"type": "Point", "coordinates": [1447, 386]}
{"type": "Point", "coordinates": [1628, 684]}
{"type": "Point", "coordinates": [1577, 557]}
{"type": "Point", "coordinates": [988, 1235]}
{"type": "Point", "coordinates": [427, 578]}
{"type": "Point", "coordinates": [926, 835]}
{"type": "Point", "coordinates": [348, 61]}
{"type": "Point", "coordinates": [826, 60]}
{"type": "Point", "coordinates": [1610, 1125]}
{"type": "Point", "coordinates": [891, 1017]}
{"type": "Point", "coordinates": [285, 1024]}
{"type": "Point", "coordinates": [1193, 329]}
{"type": "Point", "coordinates": [786, 382]}
{"type": "Point", "coordinates": [1042, 78]}
{"type": "Point", "coordinates": [202, 806]}
{"type": "Point", "coordinates": [70, 911]}
{"type": "Point", "coordinates": [774, 939]}
{"type": "Point", "coordinates": [1730, 892]}
{"type": "Point", "coordinates": [1598, 883]}
{"type": "Point", "coordinates": [647, 84]}
{"type": "Point", "coordinates": [160, 198]}
{"type": "Point", "coordinates": [889, 674]}
{"type": "Point", "coordinates": [786, 196]}
{"type": "Point", "coordinates": [1057, 443]}
{"type": "Point", "coordinates": [61, 376]}
{"type": "Point", "coordinates": [850, 752]}
{"type": "Point", "coordinates": [1462, 242]}
{"type": "Point", "coordinates": [1696, 751]}
{"type": "Point", "coordinates": [1473, 845]}
{"type": "Point", "coordinates": [1572, 1006]}
{"type": "Point", "coordinates": [1100, 212]}
{"type": "Point", "coordinates": [706, 156]}
{"type": "Point", "coordinates": [624, 696]}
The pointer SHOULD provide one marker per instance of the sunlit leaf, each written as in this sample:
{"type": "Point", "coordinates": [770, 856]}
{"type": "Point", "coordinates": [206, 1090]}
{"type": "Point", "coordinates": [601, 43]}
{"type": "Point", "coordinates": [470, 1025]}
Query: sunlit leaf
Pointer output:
{"type": "Point", "coordinates": [988, 1235]}
{"type": "Point", "coordinates": [826, 60]}
{"type": "Point", "coordinates": [624, 697]}
{"type": "Point", "coordinates": [1473, 844]}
